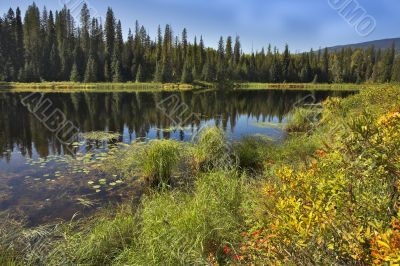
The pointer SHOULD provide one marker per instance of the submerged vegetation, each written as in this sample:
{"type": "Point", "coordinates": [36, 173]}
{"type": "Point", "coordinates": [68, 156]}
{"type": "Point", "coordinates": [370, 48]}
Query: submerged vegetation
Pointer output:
{"type": "Point", "coordinates": [327, 195]}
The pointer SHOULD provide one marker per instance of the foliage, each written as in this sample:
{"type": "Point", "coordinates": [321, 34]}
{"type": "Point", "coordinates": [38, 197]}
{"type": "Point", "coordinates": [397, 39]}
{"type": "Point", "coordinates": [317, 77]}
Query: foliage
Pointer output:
{"type": "Point", "coordinates": [328, 212]}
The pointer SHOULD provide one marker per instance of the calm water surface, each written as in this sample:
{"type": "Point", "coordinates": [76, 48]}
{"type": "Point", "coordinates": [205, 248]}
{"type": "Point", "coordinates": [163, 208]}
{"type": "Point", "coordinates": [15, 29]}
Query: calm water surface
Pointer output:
{"type": "Point", "coordinates": [38, 183]}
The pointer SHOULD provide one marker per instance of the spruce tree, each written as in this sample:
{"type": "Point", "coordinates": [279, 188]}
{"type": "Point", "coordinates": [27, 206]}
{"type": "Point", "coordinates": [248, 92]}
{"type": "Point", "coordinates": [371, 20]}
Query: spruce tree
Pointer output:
{"type": "Point", "coordinates": [229, 51]}
{"type": "Point", "coordinates": [158, 72]}
{"type": "Point", "coordinates": [388, 63]}
{"type": "Point", "coordinates": [116, 70]}
{"type": "Point", "coordinates": [19, 42]}
{"type": "Point", "coordinates": [32, 43]}
{"type": "Point", "coordinates": [187, 76]}
{"type": "Point", "coordinates": [285, 64]}
{"type": "Point", "coordinates": [91, 70]}
{"type": "Point", "coordinates": [221, 63]}
{"type": "Point", "coordinates": [109, 44]}
{"type": "Point", "coordinates": [85, 30]}
{"type": "Point", "coordinates": [75, 76]}
{"type": "Point", "coordinates": [237, 51]}
{"type": "Point", "coordinates": [396, 70]}
{"type": "Point", "coordinates": [139, 75]}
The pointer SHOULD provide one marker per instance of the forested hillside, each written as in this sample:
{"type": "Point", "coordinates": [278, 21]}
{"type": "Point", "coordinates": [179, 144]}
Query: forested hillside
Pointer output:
{"type": "Point", "coordinates": [379, 44]}
{"type": "Point", "coordinates": [48, 46]}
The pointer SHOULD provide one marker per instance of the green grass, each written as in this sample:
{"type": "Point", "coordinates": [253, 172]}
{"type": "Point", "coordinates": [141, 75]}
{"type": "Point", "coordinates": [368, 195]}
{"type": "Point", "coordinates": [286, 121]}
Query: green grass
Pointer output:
{"type": "Point", "coordinates": [159, 160]}
{"type": "Point", "coordinates": [211, 151]}
{"type": "Point", "coordinates": [97, 87]}
{"type": "Point", "coordinates": [305, 86]}
{"type": "Point", "coordinates": [183, 229]}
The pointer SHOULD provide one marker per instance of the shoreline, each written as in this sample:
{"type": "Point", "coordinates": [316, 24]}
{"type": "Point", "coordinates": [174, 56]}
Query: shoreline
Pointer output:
{"type": "Point", "coordinates": [132, 87]}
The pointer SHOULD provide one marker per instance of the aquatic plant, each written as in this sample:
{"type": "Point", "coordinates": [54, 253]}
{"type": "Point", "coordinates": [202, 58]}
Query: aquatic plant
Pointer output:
{"type": "Point", "coordinates": [100, 136]}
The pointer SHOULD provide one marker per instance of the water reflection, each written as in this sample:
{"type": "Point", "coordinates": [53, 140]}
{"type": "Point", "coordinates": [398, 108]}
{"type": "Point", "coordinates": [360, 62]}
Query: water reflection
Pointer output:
{"type": "Point", "coordinates": [136, 115]}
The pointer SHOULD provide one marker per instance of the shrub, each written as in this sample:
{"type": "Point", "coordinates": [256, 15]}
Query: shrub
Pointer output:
{"type": "Point", "coordinates": [327, 211]}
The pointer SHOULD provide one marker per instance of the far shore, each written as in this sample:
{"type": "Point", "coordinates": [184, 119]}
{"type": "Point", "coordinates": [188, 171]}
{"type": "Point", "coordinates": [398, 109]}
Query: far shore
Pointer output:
{"type": "Point", "coordinates": [150, 86]}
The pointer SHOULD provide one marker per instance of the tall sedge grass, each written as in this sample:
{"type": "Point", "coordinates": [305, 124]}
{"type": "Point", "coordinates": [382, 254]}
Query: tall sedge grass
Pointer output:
{"type": "Point", "coordinates": [158, 161]}
{"type": "Point", "coordinates": [251, 152]}
{"type": "Point", "coordinates": [210, 150]}
{"type": "Point", "coordinates": [97, 243]}
{"type": "Point", "coordinates": [183, 229]}
{"type": "Point", "coordinates": [303, 119]}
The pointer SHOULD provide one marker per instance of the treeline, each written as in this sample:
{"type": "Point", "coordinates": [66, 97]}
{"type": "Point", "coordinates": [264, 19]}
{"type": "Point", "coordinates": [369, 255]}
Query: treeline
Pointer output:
{"type": "Point", "coordinates": [53, 47]}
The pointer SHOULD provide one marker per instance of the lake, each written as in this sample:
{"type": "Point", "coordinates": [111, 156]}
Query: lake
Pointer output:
{"type": "Point", "coordinates": [44, 159]}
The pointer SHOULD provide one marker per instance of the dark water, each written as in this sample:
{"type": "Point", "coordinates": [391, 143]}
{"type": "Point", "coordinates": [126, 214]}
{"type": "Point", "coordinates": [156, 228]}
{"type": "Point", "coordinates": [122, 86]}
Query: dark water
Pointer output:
{"type": "Point", "coordinates": [37, 181]}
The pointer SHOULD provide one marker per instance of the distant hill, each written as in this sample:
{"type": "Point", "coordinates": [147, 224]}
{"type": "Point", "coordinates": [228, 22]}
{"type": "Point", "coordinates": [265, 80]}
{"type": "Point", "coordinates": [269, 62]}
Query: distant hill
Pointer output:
{"type": "Point", "coordinates": [383, 44]}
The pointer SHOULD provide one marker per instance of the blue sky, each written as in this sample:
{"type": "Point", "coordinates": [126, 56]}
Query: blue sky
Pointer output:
{"type": "Point", "coordinates": [303, 24]}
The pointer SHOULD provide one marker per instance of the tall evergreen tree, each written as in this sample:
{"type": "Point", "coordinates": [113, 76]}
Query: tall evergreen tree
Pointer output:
{"type": "Point", "coordinates": [109, 44]}
{"type": "Point", "coordinates": [237, 51]}
{"type": "Point", "coordinates": [396, 70]}
{"type": "Point", "coordinates": [32, 44]}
